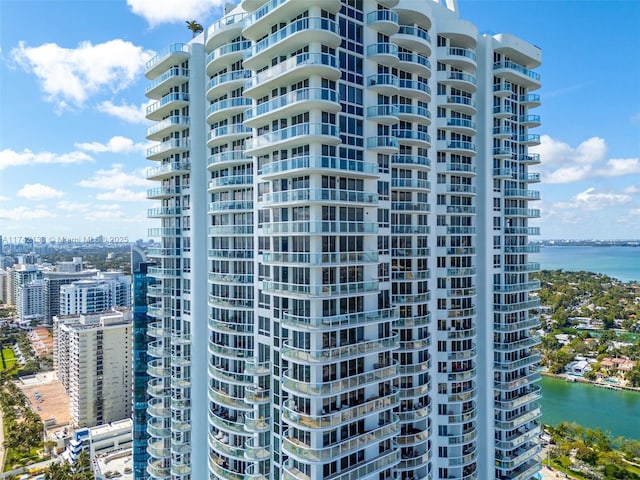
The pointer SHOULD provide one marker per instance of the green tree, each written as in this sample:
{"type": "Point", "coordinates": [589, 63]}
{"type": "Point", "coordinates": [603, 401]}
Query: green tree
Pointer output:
{"type": "Point", "coordinates": [195, 27]}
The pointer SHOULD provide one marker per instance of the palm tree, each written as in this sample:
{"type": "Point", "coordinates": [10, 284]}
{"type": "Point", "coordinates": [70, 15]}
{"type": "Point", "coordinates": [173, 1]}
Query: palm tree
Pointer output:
{"type": "Point", "coordinates": [194, 26]}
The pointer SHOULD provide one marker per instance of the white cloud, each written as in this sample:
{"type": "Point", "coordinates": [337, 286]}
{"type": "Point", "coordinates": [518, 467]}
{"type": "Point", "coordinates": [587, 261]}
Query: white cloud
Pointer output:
{"type": "Point", "coordinates": [593, 200]}
{"type": "Point", "coordinates": [117, 144]}
{"type": "Point", "coordinates": [126, 112]}
{"type": "Point", "coordinates": [122, 195]}
{"type": "Point", "coordinates": [3, 198]}
{"type": "Point", "coordinates": [10, 158]}
{"type": "Point", "coordinates": [25, 213]}
{"type": "Point", "coordinates": [70, 76]}
{"type": "Point", "coordinates": [632, 190]}
{"type": "Point", "coordinates": [620, 166]}
{"type": "Point", "coordinates": [74, 207]}
{"type": "Point", "coordinates": [38, 191]}
{"type": "Point", "coordinates": [113, 179]}
{"type": "Point", "coordinates": [156, 12]}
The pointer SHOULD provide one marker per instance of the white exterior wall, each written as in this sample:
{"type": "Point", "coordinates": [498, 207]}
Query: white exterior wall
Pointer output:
{"type": "Point", "coordinates": [379, 355]}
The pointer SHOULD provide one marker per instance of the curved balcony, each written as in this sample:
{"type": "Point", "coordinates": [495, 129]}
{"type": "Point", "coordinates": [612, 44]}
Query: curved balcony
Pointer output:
{"type": "Point", "coordinates": [319, 227]}
{"type": "Point", "coordinates": [412, 160]}
{"type": "Point", "coordinates": [414, 113]}
{"type": "Point", "coordinates": [383, 21]}
{"type": "Point", "coordinates": [335, 321]}
{"type": "Point", "coordinates": [251, 425]}
{"type": "Point", "coordinates": [227, 159]}
{"type": "Point", "coordinates": [411, 230]}
{"type": "Point", "coordinates": [303, 452]}
{"type": "Point", "coordinates": [167, 126]}
{"type": "Point", "coordinates": [292, 70]}
{"type": "Point", "coordinates": [415, 63]}
{"type": "Point", "coordinates": [292, 103]}
{"type": "Point", "coordinates": [362, 380]}
{"type": "Point", "coordinates": [264, 14]}
{"type": "Point", "coordinates": [171, 78]}
{"type": "Point", "coordinates": [414, 461]}
{"type": "Point", "coordinates": [160, 193]}
{"type": "Point", "coordinates": [168, 170]}
{"type": "Point", "coordinates": [410, 183]}
{"type": "Point", "coordinates": [383, 53]}
{"type": "Point", "coordinates": [168, 148]}
{"type": "Point", "coordinates": [502, 89]}
{"type": "Point", "coordinates": [502, 111]}
{"type": "Point", "coordinates": [227, 134]}
{"type": "Point", "coordinates": [517, 74]}
{"type": "Point", "coordinates": [459, 103]}
{"type": "Point", "coordinates": [383, 83]}
{"type": "Point", "coordinates": [366, 347]}
{"type": "Point", "coordinates": [530, 120]}
{"type": "Point", "coordinates": [224, 399]}
{"type": "Point", "coordinates": [415, 89]}
{"type": "Point", "coordinates": [300, 134]}
{"type": "Point", "coordinates": [255, 453]}
{"type": "Point", "coordinates": [522, 193]}
{"type": "Point", "coordinates": [172, 101]}
{"type": "Point", "coordinates": [174, 54]}
{"type": "Point", "coordinates": [223, 83]}
{"type": "Point", "coordinates": [318, 163]}
{"type": "Point", "coordinates": [324, 290]}
{"type": "Point", "coordinates": [383, 144]}
{"type": "Point", "coordinates": [463, 81]}
{"type": "Point", "coordinates": [412, 437]}
{"type": "Point", "coordinates": [458, 125]}
{"type": "Point", "coordinates": [232, 328]}
{"type": "Point", "coordinates": [226, 55]}
{"type": "Point", "coordinates": [457, 146]}
{"type": "Point", "coordinates": [226, 108]}
{"type": "Point", "coordinates": [503, 132]}
{"type": "Point", "coordinates": [296, 35]}
{"type": "Point", "coordinates": [224, 30]}
{"type": "Point", "coordinates": [319, 258]}
{"type": "Point", "coordinates": [530, 100]}
{"type": "Point", "coordinates": [502, 152]}
{"type": "Point", "coordinates": [530, 158]}
{"type": "Point", "coordinates": [385, 114]}
{"type": "Point", "coordinates": [412, 137]}
{"type": "Point", "coordinates": [462, 58]}
{"type": "Point", "coordinates": [223, 183]}
{"type": "Point", "coordinates": [413, 38]}
{"type": "Point", "coordinates": [529, 139]}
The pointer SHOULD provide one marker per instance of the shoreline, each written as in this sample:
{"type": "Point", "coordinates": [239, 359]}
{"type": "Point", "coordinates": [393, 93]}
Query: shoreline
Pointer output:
{"type": "Point", "coordinates": [571, 379]}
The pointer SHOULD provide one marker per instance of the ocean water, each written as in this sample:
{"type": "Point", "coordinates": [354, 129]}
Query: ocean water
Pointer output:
{"type": "Point", "coordinates": [622, 263]}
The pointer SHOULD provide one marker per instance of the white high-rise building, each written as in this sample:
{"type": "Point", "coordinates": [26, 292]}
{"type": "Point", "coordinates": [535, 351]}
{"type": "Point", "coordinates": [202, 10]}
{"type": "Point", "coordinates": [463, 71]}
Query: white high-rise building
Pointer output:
{"type": "Point", "coordinates": [105, 291]}
{"type": "Point", "coordinates": [92, 359]}
{"type": "Point", "coordinates": [343, 206]}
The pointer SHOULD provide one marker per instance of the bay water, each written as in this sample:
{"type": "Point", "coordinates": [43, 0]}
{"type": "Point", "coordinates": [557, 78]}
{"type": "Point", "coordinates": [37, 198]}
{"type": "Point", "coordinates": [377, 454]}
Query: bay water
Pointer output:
{"type": "Point", "coordinates": [614, 411]}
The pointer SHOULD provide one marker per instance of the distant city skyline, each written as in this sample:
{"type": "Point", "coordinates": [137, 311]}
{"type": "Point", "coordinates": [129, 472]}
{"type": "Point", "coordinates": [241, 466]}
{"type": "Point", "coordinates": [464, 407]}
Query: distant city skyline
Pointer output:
{"type": "Point", "coordinates": [72, 127]}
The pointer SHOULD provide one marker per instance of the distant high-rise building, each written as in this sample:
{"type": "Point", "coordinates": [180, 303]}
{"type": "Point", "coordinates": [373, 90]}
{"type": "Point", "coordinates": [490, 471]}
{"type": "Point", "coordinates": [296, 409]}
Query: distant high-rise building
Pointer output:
{"type": "Point", "coordinates": [31, 305]}
{"type": "Point", "coordinates": [53, 280]}
{"type": "Point", "coordinates": [344, 220]}
{"type": "Point", "coordinates": [92, 359]}
{"type": "Point", "coordinates": [105, 291]}
{"type": "Point", "coordinates": [141, 284]}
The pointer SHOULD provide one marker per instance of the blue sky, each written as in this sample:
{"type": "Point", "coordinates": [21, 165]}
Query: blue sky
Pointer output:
{"type": "Point", "coordinates": [72, 95]}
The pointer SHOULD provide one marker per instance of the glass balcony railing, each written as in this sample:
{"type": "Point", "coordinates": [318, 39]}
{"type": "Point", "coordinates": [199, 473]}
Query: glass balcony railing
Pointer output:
{"type": "Point", "coordinates": [415, 32]}
{"type": "Point", "coordinates": [518, 68]}
{"type": "Point", "coordinates": [301, 95]}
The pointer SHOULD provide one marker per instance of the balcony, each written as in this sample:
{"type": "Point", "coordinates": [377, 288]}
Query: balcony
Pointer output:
{"type": "Point", "coordinates": [413, 38]}
{"type": "Point", "coordinates": [413, 160]}
{"type": "Point", "coordinates": [366, 469]}
{"type": "Point", "coordinates": [383, 83]}
{"type": "Point", "coordinates": [383, 144]}
{"type": "Point", "coordinates": [227, 159]}
{"type": "Point", "coordinates": [415, 63]}
{"type": "Point", "coordinates": [221, 84]}
{"type": "Point", "coordinates": [383, 113]}
{"type": "Point", "coordinates": [319, 258]}
{"type": "Point", "coordinates": [319, 227]}
{"type": "Point", "coordinates": [410, 183]}
{"type": "Point", "coordinates": [226, 55]}
{"type": "Point", "coordinates": [172, 101]}
{"type": "Point", "coordinates": [459, 103]}
{"type": "Point", "coordinates": [522, 231]}
{"type": "Point", "coordinates": [226, 108]}
{"type": "Point", "coordinates": [292, 70]}
{"type": "Point", "coordinates": [168, 148]}
{"type": "Point", "coordinates": [383, 21]}
{"type": "Point", "coordinates": [415, 89]}
{"type": "Point", "coordinates": [502, 111]}
{"type": "Point", "coordinates": [521, 193]}
{"type": "Point", "coordinates": [530, 100]}
{"type": "Point", "coordinates": [502, 152]}
{"type": "Point", "coordinates": [383, 53]}
{"type": "Point", "coordinates": [324, 290]}
{"type": "Point", "coordinates": [457, 146]}
{"type": "Point", "coordinates": [168, 170]}
{"type": "Point", "coordinates": [463, 81]}
{"type": "Point", "coordinates": [225, 29]}
{"type": "Point", "coordinates": [530, 159]}
{"type": "Point", "coordinates": [296, 35]}
{"type": "Point", "coordinates": [343, 352]}
{"type": "Point", "coordinates": [462, 58]}
{"type": "Point", "coordinates": [174, 54]}
{"type": "Point", "coordinates": [159, 193]}
{"type": "Point", "coordinates": [227, 134]}
{"type": "Point", "coordinates": [459, 125]}
{"type": "Point", "coordinates": [517, 74]}
{"type": "Point", "coordinates": [503, 132]}
{"type": "Point", "coordinates": [530, 120]}
{"type": "Point", "coordinates": [295, 135]}
{"type": "Point", "coordinates": [412, 137]}
{"type": "Point", "coordinates": [292, 103]}
{"type": "Point", "coordinates": [332, 321]}
{"type": "Point", "coordinates": [171, 78]}
{"type": "Point", "coordinates": [502, 89]}
{"type": "Point", "coordinates": [318, 163]}
{"type": "Point", "coordinates": [225, 182]}
{"type": "Point", "coordinates": [167, 126]}
{"type": "Point", "coordinates": [414, 113]}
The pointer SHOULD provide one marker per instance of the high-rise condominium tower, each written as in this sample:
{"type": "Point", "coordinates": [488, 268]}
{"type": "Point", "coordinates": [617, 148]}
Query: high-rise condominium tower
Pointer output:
{"type": "Point", "coordinates": [343, 204]}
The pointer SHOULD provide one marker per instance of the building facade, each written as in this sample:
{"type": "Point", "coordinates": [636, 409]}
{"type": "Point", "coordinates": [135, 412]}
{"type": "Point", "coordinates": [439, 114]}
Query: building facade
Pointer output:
{"type": "Point", "coordinates": [92, 359]}
{"type": "Point", "coordinates": [105, 291]}
{"type": "Point", "coordinates": [343, 275]}
{"type": "Point", "coordinates": [53, 280]}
